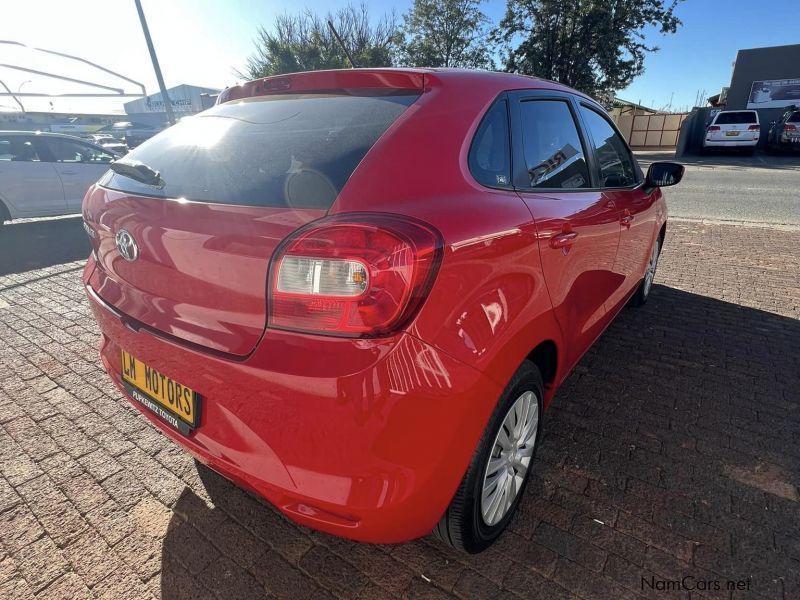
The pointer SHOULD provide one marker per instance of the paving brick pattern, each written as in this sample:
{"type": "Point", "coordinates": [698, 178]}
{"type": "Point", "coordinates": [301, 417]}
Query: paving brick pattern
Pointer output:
{"type": "Point", "coordinates": [671, 452]}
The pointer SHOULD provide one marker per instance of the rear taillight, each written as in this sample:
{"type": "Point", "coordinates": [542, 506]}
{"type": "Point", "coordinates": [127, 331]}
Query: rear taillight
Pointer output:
{"type": "Point", "coordinates": [789, 127]}
{"type": "Point", "coordinates": [356, 275]}
{"type": "Point", "coordinates": [754, 128]}
{"type": "Point", "coordinates": [713, 127]}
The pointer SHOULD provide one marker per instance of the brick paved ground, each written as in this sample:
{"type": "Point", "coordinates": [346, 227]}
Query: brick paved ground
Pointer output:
{"type": "Point", "coordinates": [671, 452]}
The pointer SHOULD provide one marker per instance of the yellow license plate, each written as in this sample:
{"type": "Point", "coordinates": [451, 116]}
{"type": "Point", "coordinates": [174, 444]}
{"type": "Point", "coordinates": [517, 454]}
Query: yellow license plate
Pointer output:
{"type": "Point", "coordinates": [175, 403]}
{"type": "Point", "coordinates": [732, 133]}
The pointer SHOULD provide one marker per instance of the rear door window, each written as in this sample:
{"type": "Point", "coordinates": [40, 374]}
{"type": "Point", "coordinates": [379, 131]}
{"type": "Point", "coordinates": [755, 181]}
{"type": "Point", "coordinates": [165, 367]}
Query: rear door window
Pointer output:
{"type": "Point", "coordinates": [736, 118]}
{"type": "Point", "coordinates": [277, 151]}
{"type": "Point", "coordinates": [553, 152]}
{"type": "Point", "coordinates": [68, 151]}
{"type": "Point", "coordinates": [17, 148]}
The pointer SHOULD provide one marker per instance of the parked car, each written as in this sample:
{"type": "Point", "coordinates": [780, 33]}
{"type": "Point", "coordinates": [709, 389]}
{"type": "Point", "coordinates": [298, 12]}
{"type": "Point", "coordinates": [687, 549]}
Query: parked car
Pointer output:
{"type": "Point", "coordinates": [45, 174]}
{"type": "Point", "coordinates": [733, 129]}
{"type": "Point", "coordinates": [349, 298]}
{"type": "Point", "coordinates": [133, 134]}
{"type": "Point", "coordinates": [110, 143]}
{"type": "Point", "coordinates": [784, 134]}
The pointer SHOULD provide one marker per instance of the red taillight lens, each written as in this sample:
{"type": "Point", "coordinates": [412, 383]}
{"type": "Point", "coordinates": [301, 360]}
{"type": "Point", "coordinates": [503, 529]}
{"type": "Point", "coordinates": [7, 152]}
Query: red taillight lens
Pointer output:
{"type": "Point", "coordinates": [789, 127]}
{"type": "Point", "coordinates": [754, 128]}
{"type": "Point", "coordinates": [354, 275]}
{"type": "Point", "coordinates": [713, 128]}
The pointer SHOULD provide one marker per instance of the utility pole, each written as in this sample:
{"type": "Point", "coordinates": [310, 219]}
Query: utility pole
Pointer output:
{"type": "Point", "coordinates": [156, 68]}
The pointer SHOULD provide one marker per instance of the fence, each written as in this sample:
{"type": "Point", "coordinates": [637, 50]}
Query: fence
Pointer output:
{"type": "Point", "coordinates": [655, 130]}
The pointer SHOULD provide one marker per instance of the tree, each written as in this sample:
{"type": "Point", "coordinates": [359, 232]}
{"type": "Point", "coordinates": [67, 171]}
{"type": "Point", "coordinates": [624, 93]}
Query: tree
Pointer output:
{"type": "Point", "coordinates": [446, 33]}
{"type": "Point", "coordinates": [304, 42]}
{"type": "Point", "coordinates": [596, 46]}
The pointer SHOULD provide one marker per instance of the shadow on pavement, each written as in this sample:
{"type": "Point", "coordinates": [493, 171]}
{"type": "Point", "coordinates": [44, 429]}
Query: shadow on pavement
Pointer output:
{"type": "Point", "coordinates": [671, 451]}
{"type": "Point", "coordinates": [29, 245]}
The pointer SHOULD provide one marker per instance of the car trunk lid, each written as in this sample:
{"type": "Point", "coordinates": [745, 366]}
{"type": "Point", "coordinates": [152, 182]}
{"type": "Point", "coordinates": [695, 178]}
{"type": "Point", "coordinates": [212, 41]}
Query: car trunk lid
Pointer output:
{"type": "Point", "coordinates": [208, 201]}
{"type": "Point", "coordinates": [200, 271]}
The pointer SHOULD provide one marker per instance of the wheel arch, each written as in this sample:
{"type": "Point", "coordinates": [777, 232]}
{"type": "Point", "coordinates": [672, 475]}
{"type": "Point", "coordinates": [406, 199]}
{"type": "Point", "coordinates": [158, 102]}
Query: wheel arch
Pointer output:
{"type": "Point", "coordinates": [545, 357]}
{"type": "Point", "coordinates": [5, 213]}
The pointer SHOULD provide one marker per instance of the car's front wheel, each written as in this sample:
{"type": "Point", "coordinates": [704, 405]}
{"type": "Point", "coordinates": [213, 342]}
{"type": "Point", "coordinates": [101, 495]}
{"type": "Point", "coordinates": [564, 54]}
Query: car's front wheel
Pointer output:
{"type": "Point", "coordinates": [496, 478]}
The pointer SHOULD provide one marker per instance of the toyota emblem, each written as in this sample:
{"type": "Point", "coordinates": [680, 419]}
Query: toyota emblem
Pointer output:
{"type": "Point", "coordinates": [127, 245]}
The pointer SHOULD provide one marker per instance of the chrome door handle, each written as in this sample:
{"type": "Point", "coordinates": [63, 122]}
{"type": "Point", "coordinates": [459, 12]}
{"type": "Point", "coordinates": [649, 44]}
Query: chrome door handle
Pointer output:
{"type": "Point", "coordinates": [563, 240]}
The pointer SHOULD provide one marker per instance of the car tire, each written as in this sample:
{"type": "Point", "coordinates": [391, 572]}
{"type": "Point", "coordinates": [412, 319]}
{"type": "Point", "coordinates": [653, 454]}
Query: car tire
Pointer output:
{"type": "Point", "coordinates": [646, 284]}
{"type": "Point", "coordinates": [469, 524]}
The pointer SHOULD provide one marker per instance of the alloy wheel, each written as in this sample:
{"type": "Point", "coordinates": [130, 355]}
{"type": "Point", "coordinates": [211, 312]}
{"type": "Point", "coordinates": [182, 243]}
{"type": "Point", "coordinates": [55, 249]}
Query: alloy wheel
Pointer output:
{"type": "Point", "coordinates": [510, 458]}
{"type": "Point", "coordinates": [651, 268]}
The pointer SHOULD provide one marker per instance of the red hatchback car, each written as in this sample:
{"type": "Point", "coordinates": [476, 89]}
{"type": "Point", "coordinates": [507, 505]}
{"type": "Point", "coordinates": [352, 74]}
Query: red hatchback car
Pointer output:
{"type": "Point", "coordinates": [355, 292]}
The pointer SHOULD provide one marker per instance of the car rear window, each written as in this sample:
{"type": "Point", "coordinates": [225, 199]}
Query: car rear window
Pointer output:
{"type": "Point", "coordinates": [736, 118]}
{"type": "Point", "coordinates": [278, 151]}
{"type": "Point", "coordinates": [794, 118]}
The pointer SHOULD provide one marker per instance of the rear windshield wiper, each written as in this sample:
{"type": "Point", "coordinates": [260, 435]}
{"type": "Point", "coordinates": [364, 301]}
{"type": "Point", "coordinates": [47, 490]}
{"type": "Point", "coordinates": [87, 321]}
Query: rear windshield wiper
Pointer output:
{"type": "Point", "coordinates": [138, 171]}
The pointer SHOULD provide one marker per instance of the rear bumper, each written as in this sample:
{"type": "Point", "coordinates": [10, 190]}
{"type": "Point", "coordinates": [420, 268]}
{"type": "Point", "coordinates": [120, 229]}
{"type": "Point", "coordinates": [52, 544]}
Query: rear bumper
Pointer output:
{"type": "Point", "coordinates": [732, 143]}
{"type": "Point", "coordinates": [365, 439]}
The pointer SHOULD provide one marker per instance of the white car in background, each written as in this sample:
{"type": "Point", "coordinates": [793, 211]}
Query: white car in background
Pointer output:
{"type": "Point", "coordinates": [733, 129]}
{"type": "Point", "coordinates": [46, 174]}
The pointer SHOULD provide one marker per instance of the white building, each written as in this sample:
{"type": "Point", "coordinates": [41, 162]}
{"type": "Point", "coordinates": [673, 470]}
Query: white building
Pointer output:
{"type": "Point", "coordinates": [185, 100]}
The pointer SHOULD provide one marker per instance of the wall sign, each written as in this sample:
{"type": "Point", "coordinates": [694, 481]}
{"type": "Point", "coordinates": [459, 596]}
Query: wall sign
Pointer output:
{"type": "Point", "coordinates": [774, 93]}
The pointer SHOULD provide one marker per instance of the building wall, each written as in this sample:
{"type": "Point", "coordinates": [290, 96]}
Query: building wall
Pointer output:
{"type": "Point", "coordinates": [185, 100]}
{"type": "Point", "coordinates": [756, 64]}
{"type": "Point", "coordinates": [759, 64]}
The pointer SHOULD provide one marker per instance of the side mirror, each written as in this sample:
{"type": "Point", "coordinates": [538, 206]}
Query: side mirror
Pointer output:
{"type": "Point", "coordinates": [663, 174]}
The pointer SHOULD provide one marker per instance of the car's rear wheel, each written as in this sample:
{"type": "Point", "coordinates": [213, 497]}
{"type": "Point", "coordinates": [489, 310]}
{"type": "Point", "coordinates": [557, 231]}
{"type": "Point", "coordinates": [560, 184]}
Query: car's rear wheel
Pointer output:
{"type": "Point", "coordinates": [496, 478]}
{"type": "Point", "coordinates": [646, 285]}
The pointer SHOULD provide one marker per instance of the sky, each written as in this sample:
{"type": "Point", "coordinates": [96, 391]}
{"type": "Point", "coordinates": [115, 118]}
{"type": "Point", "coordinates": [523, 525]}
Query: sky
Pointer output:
{"type": "Point", "coordinates": [202, 42]}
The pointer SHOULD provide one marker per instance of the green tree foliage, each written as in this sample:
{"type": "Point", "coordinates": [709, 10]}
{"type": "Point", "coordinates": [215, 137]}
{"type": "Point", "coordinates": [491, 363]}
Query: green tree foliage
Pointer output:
{"type": "Point", "coordinates": [596, 46]}
{"type": "Point", "coordinates": [446, 33]}
{"type": "Point", "coordinates": [304, 42]}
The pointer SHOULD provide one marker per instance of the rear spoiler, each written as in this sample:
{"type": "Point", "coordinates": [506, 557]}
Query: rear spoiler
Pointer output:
{"type": "Point", "coordinates": [326, 81]}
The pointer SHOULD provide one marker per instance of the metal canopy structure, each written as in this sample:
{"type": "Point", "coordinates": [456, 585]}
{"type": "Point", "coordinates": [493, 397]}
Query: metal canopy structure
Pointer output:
{"type": "Point", "coordinates": [110, 92]}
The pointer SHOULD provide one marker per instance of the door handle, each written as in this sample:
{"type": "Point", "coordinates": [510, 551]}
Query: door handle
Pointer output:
{"type": "Point", "coordinates": [563, 240]}
{"type": "Point", "coordinates": [626, 219]}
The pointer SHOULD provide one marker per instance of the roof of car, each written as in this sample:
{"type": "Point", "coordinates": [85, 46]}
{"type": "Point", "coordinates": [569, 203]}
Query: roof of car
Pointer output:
{"type": "Point", "coordinates": [389, 77]}
{"type": "Point", "coordinates": [43, 133]}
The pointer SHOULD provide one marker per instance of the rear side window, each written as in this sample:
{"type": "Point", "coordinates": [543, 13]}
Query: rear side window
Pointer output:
{"type": "Point", "coordinates": [278, 151]}
{"type": "Point", "coordinates": [736, 118]}
{"type": "Point", "coordinates": [616, 164]}
{"type": "Point", "coordinates": [554, 155]}
{"type": "Point", "coordinates": [490, 154]}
